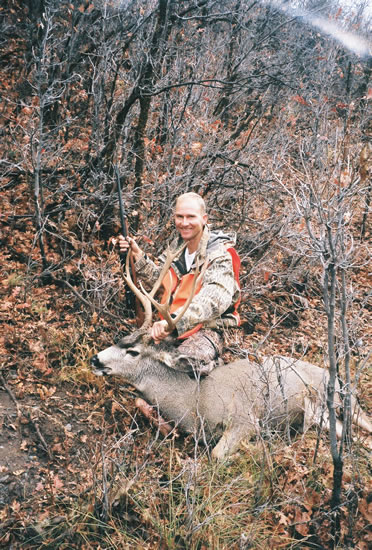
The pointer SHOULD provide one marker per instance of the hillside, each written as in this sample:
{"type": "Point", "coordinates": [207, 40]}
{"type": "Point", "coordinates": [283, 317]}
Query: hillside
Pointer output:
{"type": "Point", "coordinates": [270, 121]}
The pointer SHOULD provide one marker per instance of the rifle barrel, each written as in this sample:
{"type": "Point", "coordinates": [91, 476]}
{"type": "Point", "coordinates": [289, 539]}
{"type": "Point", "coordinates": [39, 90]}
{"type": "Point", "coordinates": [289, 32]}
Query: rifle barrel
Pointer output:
{"type": "Point", "coordinates": [132, 301]}
{"type": "Point", "coordinates": [124, 229]}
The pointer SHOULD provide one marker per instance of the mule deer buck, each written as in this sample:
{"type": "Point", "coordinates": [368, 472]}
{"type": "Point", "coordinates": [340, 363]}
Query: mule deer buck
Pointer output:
{"type": "Point", "coordinates": [234, 400]}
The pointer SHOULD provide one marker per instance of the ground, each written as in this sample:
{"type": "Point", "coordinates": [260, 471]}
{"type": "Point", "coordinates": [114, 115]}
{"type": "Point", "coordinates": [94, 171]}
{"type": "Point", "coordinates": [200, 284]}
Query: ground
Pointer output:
{"type": "Point", "coordinates": [75, 454]}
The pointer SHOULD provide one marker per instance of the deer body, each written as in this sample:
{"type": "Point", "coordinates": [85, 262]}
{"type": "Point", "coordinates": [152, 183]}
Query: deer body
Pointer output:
{"type": "Point", "coordinates": [235, 400]}
{"type": "Point", "coordinates": [232, 402]}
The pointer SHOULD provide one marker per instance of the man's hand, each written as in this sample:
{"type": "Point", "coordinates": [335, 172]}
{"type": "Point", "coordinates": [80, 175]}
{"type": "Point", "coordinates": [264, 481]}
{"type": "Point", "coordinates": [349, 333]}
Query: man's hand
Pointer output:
{"type": "Point", "coordinates": [159, 331]}
{"type": "Point", "coordinates": [129, 242]}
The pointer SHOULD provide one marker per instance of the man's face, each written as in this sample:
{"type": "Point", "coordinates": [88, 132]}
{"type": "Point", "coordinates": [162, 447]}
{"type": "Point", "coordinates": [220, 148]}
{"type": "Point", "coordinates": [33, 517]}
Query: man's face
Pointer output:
{"type": "Point", "coordinates": [189, 219]}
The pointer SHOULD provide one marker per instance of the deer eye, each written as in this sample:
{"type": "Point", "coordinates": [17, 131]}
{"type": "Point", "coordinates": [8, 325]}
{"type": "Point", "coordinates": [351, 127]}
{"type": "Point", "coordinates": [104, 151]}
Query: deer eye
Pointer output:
{"type": "Point", "coordinates": [133, 352]}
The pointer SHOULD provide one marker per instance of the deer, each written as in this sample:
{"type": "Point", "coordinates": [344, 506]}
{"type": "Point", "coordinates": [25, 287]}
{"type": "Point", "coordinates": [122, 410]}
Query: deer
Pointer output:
{"type": "Point", "coordinates": [235, 400]}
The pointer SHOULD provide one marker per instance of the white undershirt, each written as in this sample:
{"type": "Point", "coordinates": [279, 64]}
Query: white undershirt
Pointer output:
{"type": "Point", "coordinates": [189, 258]}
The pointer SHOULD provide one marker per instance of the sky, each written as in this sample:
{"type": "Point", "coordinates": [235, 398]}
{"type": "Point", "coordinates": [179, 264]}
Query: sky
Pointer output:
{"type": "Point", "coordinates": [337, 29]}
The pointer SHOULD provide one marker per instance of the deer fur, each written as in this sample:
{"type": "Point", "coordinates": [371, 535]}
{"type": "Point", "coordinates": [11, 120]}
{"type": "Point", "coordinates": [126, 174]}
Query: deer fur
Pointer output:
{"type": "Point", "coordinates": [234, 401]}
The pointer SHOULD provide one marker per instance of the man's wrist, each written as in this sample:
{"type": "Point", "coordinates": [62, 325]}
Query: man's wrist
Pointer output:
{"type": "Point", "coordinates": [138, 256]}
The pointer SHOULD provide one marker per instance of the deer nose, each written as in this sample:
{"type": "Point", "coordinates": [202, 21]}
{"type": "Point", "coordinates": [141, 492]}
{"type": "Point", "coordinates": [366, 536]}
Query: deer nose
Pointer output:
{"type": "Point", "coordinates": [95, 362]}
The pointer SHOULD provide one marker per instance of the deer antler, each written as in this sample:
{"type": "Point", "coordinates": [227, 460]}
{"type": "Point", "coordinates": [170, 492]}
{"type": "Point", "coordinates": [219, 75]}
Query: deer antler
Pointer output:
{"type": "Point", "coordinates": [143, 296]}
{"type": "Point", "coordinates": [147, 298]}
{"type": "Point", "coordinates": [169, 257]}
{"type": "Point", "coordinates": [163, 309]}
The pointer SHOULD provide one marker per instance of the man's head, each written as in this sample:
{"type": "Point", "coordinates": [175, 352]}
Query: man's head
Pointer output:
{"type": "Point", "coordinates": [193, 197]}
{"type": "Point", "coordinates": [190, 217]}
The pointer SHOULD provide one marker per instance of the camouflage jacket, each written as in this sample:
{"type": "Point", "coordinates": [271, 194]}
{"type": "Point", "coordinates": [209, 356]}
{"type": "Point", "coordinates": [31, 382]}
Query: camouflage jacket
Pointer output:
{"type": "Point", "coordinates": [213, 305]}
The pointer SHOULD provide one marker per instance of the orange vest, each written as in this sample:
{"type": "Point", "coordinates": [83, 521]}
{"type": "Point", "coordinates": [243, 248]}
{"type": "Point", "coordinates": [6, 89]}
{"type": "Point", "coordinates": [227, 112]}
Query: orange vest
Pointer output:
{"type": "Point", "coordinates": [180, 290]}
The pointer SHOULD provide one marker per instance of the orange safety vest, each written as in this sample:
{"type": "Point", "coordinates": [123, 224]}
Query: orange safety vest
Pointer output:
{"type": "Point", "coordinates": [181, 288]}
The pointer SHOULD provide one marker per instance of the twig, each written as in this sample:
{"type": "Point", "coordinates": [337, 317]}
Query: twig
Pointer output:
{"type": "Point", "coordinates": [35, 424]}
{"type": "Point", "coordinates": [42, 440]}
{"type": "Point", "coordinates": [11, 394]}
{"type": "Point", "coordinates": [74, 291]}
{"type": "Point", "coordinates": [81, 298]}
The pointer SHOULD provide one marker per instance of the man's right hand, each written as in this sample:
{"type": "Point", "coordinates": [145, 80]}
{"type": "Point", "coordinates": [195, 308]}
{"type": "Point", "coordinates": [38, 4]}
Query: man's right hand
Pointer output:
{"type": "Point", "coordinates": [129, 242]}
{"type": "Point", "coordinates": [159, 331]}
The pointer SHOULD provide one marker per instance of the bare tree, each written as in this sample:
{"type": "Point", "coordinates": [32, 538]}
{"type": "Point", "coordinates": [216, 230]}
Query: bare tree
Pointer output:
{"type": "Point", "coordinates": [327, 194]}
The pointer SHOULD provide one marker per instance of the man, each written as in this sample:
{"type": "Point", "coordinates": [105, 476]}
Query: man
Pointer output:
{"type": "Point", "coordinates": [214, 306]}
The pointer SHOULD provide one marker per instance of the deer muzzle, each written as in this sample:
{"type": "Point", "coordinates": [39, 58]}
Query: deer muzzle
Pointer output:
{"type": "Point", "coordinates": [98, 367]}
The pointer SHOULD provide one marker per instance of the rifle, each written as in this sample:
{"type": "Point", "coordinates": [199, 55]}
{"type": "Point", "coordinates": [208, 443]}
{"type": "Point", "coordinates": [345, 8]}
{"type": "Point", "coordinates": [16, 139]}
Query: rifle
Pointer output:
{"type": "Point", "coordinates": [132, 301]}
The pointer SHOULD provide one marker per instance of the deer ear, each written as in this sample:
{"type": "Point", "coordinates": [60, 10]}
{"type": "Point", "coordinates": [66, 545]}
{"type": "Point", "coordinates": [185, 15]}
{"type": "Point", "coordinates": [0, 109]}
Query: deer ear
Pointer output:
{"type": "Point", "coordinates": [178, 362]}
{"type": "Point", "coordinates": [168, 359]}
{"type": "Point", "coordinates": [184, 363]}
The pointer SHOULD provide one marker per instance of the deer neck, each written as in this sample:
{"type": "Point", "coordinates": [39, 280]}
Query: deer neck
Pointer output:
{"type": "Point", "coordinates": [174, 392]}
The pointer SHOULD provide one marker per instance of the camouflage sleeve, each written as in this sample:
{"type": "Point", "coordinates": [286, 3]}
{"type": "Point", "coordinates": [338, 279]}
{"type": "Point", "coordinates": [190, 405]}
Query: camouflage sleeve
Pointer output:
{"type": "Point", "coordinates": [147, 270]}
{"type": "Point", "coordinates": [218, 292]}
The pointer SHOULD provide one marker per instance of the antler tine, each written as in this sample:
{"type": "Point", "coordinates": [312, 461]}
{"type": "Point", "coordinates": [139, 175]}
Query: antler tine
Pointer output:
{"type": "Point", "coordinates": [168, 261]}
{"type": "Point", "coordinates": [163, 309]}
{"type": "Point", "coordinates": [142, 297]}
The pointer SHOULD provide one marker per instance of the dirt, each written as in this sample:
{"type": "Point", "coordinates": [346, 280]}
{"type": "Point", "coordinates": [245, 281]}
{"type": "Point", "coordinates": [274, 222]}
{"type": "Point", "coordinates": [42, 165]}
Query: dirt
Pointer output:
{"type": "Point", "coordinates": [39, 440]}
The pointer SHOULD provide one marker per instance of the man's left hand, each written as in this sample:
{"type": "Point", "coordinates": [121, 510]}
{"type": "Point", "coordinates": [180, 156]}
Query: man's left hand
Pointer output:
{"type": "Point", "coordinates": [159, 331]}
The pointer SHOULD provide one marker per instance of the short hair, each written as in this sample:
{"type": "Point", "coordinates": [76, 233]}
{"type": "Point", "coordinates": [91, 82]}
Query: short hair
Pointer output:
{"type": "Point", "coordinates": [194, 196]}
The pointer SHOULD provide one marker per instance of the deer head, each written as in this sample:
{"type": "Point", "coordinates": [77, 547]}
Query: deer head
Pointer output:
{"type": "Point", "coordinates": [123, 358]}
{"type": "Point", "coordinates": [132, 356]}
